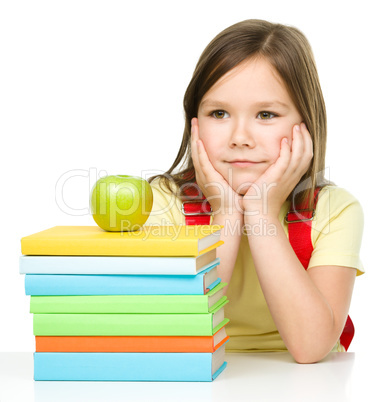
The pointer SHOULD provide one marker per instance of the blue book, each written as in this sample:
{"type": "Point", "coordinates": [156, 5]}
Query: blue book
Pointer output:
{"type": "Point", "coordinates": [93, 285]}
{"type": "Point", "coordinates": [129, 366]}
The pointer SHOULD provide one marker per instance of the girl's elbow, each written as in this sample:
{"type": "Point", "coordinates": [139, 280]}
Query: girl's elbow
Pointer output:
{"type": "Point", "coordinates": [306, 359]}
{"type": "Point", "coordinates": [312, 350]}
{"type": "Point", "coordinates": [303, 356]}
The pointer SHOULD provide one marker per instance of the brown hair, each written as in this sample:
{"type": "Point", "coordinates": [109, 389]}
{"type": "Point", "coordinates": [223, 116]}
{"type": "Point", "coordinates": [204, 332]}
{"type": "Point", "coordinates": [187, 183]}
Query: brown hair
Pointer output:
{"type": "Point", "coordinates": [289, 52]}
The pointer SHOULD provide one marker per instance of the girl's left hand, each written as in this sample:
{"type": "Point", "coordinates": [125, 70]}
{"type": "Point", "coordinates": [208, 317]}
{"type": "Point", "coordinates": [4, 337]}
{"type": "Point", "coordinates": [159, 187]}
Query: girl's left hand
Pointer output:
{"type": "Point", "coordinates": [268, 193]}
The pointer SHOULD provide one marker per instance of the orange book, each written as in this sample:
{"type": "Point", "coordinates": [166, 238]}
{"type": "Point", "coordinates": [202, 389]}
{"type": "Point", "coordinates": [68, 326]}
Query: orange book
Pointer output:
{"type": "Point", "coordinates": [132, 344]}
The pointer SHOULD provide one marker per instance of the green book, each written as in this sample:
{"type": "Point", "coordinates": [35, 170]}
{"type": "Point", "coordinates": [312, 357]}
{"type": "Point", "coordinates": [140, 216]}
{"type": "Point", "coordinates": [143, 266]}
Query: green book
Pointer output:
{"type": "Point", "coordinates": [130, 304]}
{"type": "Point", "coordinates": [129, 324]}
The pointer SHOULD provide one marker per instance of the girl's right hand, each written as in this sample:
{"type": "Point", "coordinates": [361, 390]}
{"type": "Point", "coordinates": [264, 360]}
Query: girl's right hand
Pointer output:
{"type": "Point", "coordinates": [221, 196]}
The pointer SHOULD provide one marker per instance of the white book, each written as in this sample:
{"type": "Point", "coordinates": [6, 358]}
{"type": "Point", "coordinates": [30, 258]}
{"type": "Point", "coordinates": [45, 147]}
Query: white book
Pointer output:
{"type": "Point", "coordinates": [88, 265]}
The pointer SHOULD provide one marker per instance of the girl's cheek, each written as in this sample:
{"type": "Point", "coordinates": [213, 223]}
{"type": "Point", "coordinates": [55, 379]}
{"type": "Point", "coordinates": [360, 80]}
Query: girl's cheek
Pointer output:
{"type": "Point", "coordinates": [210, 148]}
{"type": "Point", "coordinates": [213, 152]}
{"type": "Point", "coordinates": [209, 138]}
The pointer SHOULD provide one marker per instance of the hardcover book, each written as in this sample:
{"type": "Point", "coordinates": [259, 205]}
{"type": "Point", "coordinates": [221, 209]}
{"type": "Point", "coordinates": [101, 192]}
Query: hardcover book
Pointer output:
{"type": "Point", "coordinates": [66, 285]}
{"type": "Point", "coordinates": [130, 324]}
{"type": "Point", "coordinates": [90, 265]}
{"type": "Point", "coordinates": [132, 344]}
{"type": "Point", "coordinates": [130, 304]}
{"type": "Point", "coordinates": [128, 366]}
{"type": "Point", "coordinates": [175, 240]}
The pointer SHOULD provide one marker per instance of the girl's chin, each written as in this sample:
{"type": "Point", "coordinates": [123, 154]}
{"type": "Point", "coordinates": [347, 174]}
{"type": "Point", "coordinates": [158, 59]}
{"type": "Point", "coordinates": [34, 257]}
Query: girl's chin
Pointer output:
{"type": "Point", "coordinates": [242, 191]}
{"type": "Point", "coordinates": [239, 181]}
{"type": "Point", "coordinates": [241, 187]}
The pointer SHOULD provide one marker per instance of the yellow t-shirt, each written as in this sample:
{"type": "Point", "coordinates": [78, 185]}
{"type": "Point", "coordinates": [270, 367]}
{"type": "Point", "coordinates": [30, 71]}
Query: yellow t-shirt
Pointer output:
{"type": "Point", "coordinates": [336, 237]}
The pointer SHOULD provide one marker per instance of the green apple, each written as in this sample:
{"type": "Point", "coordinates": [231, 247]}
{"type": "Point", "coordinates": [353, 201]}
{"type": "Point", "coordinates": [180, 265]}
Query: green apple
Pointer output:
{"type": "Point", "coordinates": [121, 203]}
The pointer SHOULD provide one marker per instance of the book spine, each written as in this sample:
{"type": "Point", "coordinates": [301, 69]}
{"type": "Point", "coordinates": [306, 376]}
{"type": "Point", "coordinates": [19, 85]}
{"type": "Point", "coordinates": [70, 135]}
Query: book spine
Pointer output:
{"type": "Point", "coordinates": [123, 366]}
{"type": "Point", "coordinates": [91, 241]}
{"type": "Point", "coordinates": [164, 304]}
{"type": "Point", "coordinates": [90, 265]}
{"type": "Point", "coordinates": [118, 247]}
{"type": "Point", "coordinates": [123, 324]}
{"type": "Point", "coordinates": [127, 344]}
{"type": "Point", "coordinates": [67, 285]}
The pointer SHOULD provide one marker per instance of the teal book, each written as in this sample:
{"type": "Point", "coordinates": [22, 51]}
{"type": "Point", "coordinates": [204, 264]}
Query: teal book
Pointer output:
{"type": "Point", "coordinates": [129, 366]}
{"type": "Point", "coordinates": [92, 285]}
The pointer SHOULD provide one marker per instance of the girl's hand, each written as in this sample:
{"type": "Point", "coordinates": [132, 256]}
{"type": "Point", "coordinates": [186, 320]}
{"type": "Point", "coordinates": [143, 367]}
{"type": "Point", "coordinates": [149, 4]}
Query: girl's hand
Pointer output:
{"type": "Point", "coordinates": [222, 198]}
{"type": "Point", "coordinates": [267, 194]}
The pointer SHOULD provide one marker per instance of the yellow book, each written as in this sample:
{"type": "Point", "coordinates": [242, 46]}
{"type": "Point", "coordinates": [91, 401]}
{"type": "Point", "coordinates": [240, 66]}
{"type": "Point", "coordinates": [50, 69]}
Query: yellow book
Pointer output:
{"type": "Point", "coordinates": [177, 240]}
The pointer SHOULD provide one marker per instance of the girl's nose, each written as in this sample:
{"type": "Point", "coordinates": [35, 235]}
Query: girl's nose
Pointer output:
{"type": "Point", "coordinates": [242, 136]}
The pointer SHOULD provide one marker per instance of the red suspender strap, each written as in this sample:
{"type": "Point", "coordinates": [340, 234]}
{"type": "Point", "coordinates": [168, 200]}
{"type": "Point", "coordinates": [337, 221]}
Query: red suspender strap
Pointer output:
{"type": "Point", "coordinates": [197, 211]}
{"type": "Point", "coordinates": [299, 231]}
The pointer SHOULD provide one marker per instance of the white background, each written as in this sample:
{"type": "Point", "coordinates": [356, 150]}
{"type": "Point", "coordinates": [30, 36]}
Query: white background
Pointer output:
{"type": "Point", "coordinates": [97, 86]}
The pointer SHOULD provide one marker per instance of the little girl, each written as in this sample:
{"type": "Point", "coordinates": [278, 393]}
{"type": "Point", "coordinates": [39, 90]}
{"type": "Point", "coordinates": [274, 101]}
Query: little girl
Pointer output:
{"type": "Point", "coordinates": [254, 148]}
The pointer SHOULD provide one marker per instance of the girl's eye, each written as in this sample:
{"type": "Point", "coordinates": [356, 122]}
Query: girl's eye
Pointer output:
{"type": "Point", "coordinates": [265, 115]}
{"type": "Point", "coordinates": [219, 114]}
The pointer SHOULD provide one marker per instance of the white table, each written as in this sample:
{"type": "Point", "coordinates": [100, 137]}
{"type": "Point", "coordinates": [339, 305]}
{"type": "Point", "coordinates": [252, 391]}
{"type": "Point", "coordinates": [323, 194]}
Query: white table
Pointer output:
{"type": "Point", "coordinates": [259, 377]}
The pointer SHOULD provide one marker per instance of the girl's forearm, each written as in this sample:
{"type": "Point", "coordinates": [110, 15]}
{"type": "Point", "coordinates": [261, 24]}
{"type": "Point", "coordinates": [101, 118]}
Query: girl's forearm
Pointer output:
{"type": "Point", "coordinates": [302, 315]}
{"type": "Point", "coordinates": [231, 235]}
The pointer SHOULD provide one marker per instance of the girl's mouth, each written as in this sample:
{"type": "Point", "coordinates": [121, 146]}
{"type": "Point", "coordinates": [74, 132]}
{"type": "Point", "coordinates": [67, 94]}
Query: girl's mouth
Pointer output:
{"type": "Point", "coordinates": [244, 163]}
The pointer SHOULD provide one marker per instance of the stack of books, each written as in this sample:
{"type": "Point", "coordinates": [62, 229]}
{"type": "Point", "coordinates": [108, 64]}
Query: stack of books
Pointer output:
{"type": "Point", "coordinates": [129, 306]}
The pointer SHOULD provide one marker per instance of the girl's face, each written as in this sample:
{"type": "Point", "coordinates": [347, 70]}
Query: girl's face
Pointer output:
{"type": "Point", "coordinates": [244, 117]}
